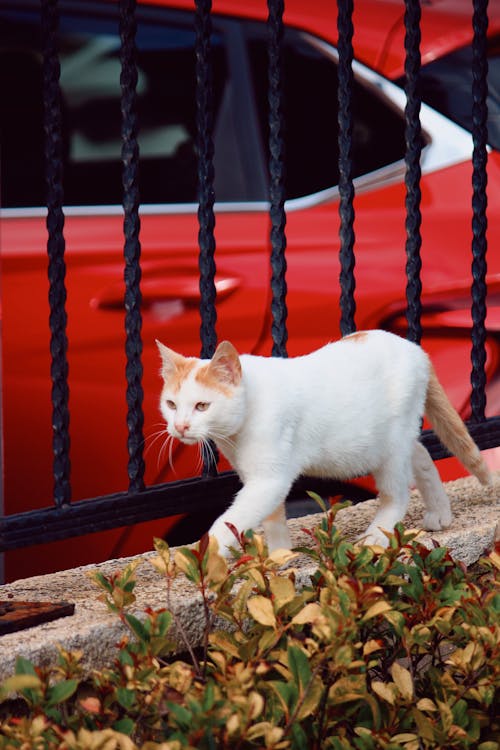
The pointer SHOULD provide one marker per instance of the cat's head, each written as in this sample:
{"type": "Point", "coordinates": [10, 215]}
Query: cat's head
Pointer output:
{"type": "Point", "coordinates": [202, 399]}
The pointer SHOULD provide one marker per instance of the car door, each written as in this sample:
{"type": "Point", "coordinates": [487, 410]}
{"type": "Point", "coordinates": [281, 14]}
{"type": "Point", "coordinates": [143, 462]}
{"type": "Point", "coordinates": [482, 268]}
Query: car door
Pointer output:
{"type": "Point", "coordinates": [90, 88]}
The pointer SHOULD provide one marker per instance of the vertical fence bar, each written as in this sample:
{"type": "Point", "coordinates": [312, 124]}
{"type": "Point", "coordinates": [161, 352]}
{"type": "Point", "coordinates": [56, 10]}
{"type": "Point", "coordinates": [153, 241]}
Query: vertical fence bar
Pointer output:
{"type": "Point", "coordinates": [413, 174]}
{"type": "Point", "coordinates": [206, 198]}
{"type": "Point", "coordinates": [132, 246]}
{"type": "Point", "coordinates": [277, 178]}
{"type": "Point", "coordinates": [56, 250]}
{"type": "Point", "coordinates": [479, 203]}
{"type": "Point", "coordinates": [346, 187]}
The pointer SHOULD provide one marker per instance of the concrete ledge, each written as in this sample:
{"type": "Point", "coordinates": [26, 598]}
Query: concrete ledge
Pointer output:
{"type": "Point", "coordinates": [96, 632]}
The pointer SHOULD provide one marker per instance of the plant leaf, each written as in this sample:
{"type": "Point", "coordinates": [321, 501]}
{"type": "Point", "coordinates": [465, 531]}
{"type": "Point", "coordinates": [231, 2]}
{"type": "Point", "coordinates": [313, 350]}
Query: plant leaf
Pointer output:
{"type": "Point", "coordinates": [307, 614]}
{"type": "Point", "coordinates": [61, 691]}
{"type": "Point", "coordinates": [24, 666]}
{"type": "Point", "coordinates": [383, 691]}
{"type": "Point", "coordinates": [261, 610]}
{"type": "Point", "coordinates": [137, 628]}
{"type": "Point", "coordinates": [376, 609]}
{"type": "Point", "coordinates": [282, 590]}
{"type": "Point", "coordinates": [299, 667]}
{"type": "Point", "coordinates": [403, 680]}
{"type": "Point", "coordinates": [19, 682]}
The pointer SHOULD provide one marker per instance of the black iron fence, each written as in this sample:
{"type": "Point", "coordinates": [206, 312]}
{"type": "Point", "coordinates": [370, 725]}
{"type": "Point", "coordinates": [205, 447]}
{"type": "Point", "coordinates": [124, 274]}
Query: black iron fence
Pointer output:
{"type": "Point", "coordinates": [63, 518]}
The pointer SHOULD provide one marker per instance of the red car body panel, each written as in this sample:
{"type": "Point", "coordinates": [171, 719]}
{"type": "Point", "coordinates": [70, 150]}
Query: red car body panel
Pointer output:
{"type": "Point", "coordinates": [94, 257]}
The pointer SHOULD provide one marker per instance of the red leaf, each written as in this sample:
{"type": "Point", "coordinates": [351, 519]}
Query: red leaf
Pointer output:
{"type": "Point", "coordinates": [203, 544]}
{"type": "Point", "coordinates": [234, 530]}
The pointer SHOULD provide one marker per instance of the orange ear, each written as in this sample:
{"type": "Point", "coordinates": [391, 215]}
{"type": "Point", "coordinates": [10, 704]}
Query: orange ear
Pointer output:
{"type": "Point", "coordinates": [225, 364]}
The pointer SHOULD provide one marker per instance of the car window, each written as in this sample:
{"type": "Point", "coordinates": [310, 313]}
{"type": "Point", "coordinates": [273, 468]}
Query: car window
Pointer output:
{"type": "Point", "coordinates": [91, 119]}
{"type": "Point", "coordinates": [89, 49]}
{"type": "Point", "coordinates": [446, 85]}
{"type": "Point", "coordinates": [311, 117]}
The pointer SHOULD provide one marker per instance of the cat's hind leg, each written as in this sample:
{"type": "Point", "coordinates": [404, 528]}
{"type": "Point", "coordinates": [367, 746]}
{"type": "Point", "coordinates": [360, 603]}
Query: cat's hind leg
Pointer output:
{"type": "Point", "coordinates": [276, 530]}
{"type": "Point", "coordinates": [393, 483]}
{"type": "Point", "coordinates": [438, 513]}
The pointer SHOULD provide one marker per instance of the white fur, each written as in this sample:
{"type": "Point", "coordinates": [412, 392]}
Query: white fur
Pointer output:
{"type": "Point", "coordinates": [351, 408]}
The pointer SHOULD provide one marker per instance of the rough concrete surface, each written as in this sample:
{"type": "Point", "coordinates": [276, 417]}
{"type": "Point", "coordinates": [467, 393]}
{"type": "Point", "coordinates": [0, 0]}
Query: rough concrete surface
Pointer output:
{"type": "Point", "coordinates": [95, 631]}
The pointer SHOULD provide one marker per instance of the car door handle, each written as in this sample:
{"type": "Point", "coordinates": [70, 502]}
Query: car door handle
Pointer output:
{"type": "Point", "coordinates": [180, 287]}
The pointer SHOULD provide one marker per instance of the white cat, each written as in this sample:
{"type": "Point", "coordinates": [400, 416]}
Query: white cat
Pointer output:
{"type": "Point", "coordinates": [351, 408]}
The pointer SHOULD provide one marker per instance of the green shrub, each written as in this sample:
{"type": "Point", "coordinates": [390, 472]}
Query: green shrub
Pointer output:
{"type": "Point", "coordinates": [396, 649]}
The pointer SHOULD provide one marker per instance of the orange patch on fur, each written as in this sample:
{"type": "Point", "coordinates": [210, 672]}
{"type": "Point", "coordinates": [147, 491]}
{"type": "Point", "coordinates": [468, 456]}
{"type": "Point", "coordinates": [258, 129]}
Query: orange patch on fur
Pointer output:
{"type": "Point", "coordinates": [358, 336]}
{"type": "Point", "coordinates": [206, 377]}
{"type": "Point", "coordinates": [182, 369]}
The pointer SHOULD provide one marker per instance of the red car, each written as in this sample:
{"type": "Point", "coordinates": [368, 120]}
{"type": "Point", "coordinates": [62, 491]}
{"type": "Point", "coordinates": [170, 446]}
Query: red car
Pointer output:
{"type": "Point", "coordinates": [90, 69]}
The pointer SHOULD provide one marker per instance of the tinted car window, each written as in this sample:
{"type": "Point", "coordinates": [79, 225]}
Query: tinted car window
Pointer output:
{"type": "Point", "coordinates": [446, 85]}
{"type": "Point", "coordinates": [311, 118]}
{"type": "Point", "coordinates": [90, 85]}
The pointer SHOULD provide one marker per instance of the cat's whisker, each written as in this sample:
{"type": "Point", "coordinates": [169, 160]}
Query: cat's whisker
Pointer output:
{"type": "Point", "coordinates": [170, 454]}
{"type": "Point", "coordinates": [225, 439]}
{"type": "Point", "coordinates": [210, 451]}
{"type": "Point", "coordinates": [150, 440]}
{"type": "Point", "coordinates": [199, 462]}
{"type": "Point", "coordinates": [168, 443]}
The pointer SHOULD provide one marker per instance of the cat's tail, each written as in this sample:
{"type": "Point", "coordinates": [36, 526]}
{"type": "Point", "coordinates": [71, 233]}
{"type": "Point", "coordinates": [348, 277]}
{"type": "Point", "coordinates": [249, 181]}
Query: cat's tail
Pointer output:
{"type": "Point", "coordinates": [451, 430]}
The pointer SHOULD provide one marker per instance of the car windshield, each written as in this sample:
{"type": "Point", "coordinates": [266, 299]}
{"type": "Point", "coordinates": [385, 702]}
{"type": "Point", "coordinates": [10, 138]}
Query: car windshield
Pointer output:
{"type": "Point", "coordinates": [446, 85]}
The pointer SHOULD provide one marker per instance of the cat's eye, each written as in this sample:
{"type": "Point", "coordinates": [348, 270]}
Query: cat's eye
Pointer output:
{"type": "Point", "coordinates": [202, 406]}
{"type": "Point", "coordinates": [171, 404]}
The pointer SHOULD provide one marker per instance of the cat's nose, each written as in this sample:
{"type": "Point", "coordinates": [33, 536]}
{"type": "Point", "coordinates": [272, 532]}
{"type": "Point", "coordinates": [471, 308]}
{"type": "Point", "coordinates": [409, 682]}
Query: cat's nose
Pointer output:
{"type": "Point", "coordinates": [181, 427]}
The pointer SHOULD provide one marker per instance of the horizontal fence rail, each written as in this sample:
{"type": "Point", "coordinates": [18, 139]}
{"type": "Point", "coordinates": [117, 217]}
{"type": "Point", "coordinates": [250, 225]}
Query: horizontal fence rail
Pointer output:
{"type": "Point", "coordinates": [64, 518]}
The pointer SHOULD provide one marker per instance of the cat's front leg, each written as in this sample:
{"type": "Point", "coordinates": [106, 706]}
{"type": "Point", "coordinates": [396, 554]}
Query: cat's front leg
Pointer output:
{"type": "Point", "coordinates": [276, 530]}
{"type": "Point", "coordinates": [257, 501]}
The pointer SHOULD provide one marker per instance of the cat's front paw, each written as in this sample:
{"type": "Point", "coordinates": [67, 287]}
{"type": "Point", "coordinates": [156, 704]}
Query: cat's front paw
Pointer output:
{"type": "Point", "coordinates": [225, 537]}
{"type": "Point", "coordinates": [374, 536]}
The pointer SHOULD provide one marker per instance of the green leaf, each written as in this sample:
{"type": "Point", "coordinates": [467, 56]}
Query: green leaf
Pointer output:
{"type": "Point", "coordinates": [312, 698]}
{"type": "Point", "coordinates": [164, 621]}
{"type": "Point", "coordinates": [126, 725]}
{"type": "Point", "coordinates": [208, 697]}
{"type": "Point", "coordinates": [125, 658]}
{"type": "Point", "coordinates": [397, 620]}
{"type": "Point", "coordinates": [61, 691]}
{"type": "Point", "coordinates": [125, 697]}
{"type": "Point", "coordinates": [460, 712]}
{"type": "Point", "coordinates": [186, 560]}
{"type": "Point", "coordinates": [137, 628]}
{"type": "Point", "coordinates": [318, 499]}
{"type": "Point", "coordinates": [24, 666]}
{"type": "Point", "coordinates": [300, 740]}
{"type": "Point", "coordinates": [182, 716]}
{"type": "Point", "coordinates": [287, 694]}
{"type": "Point", "coordinates": [160, 545]}
{"type": "Point", "coordinates": [101, 581]}
{"type": "Point", "coordinates": [299, 667]}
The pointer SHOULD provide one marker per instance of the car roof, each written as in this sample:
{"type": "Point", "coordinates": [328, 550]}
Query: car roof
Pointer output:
{"type": "Point", "coordinates": [379, 25]}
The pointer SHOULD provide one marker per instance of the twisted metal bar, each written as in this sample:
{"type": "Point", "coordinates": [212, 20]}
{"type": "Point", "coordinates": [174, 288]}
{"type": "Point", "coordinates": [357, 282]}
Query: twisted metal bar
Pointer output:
{"type": "Point", "coordinates": [346, 186]}
{"type": "Point", "coordinates": [479, 203]}
{"type": "Point", "coordinates": [132, 246]}
{"type": "Point", "coordinates": [277, 178]}
{"type": "Point", "coordinates": [413, 171]}
{"type": "Point", "coordinates": [56, 250]}
{"type": "Point", "coordinates": [206, 215]}
{"type": "Point", "coordinates": [206, 200]}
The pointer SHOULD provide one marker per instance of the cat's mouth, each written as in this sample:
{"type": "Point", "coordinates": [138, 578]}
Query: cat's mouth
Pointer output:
{"type": "Point", "coordinates": [187, 440]}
